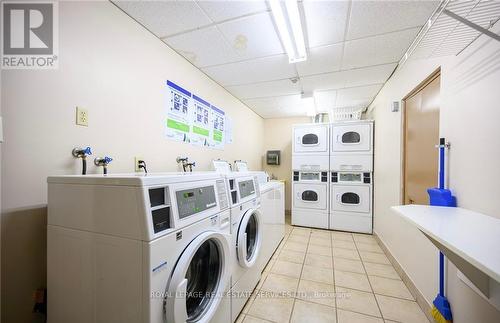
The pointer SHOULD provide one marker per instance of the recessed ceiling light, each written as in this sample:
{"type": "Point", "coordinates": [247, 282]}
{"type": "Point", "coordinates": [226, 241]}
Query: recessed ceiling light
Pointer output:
{"type": "Point", "coordinates": [287, 18]}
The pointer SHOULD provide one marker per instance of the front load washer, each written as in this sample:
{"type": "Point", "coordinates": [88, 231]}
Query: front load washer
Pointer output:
{"type": "Point", "coordinates": [138, 248]}
{"type": "Point", "coordinates": [310, 199]}
{"type": "Point", "coordinates": [246, 233]}
{"type": "Point", "coordinates": [351, 201]}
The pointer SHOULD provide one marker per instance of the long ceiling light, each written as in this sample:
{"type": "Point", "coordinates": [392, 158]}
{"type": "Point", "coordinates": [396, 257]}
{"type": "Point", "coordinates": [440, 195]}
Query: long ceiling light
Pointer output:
{"type": "Point", "coordinates": [287, 18]}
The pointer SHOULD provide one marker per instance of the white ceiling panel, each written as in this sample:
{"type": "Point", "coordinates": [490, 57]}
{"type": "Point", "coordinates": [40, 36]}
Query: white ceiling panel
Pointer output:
{"type": "Point", "coordinates": [325, 21]}
{"type": "Point", "coordinates": [370, 18]}
{"type": "Point", "coordinates": [388, 48]}
{"type": "Point", "coordinates": [222, 10]}
{"type": "Point", "coordinates": [166, 18]}
{"type": "Point", "coordinates": [357, 96]}
{"type": "Point", "coordinates": [368, 75]}
{"type": "Point", "coordinates": [325, 100]}
{"type": "Point", "coordinates": [203, 47]}
{"type": "Point", "coordinates": [252, 71]}
{"type": "Point", "coordinates": [265, 89]}
{"type": "Point", "coordinates": [327, 81]}
{"type": "Point", "coordinates": [281, 106]}
{"type": "Point", "coordinates": [321, 59]}
{"type": "Point", "coordinates": [252, 36]}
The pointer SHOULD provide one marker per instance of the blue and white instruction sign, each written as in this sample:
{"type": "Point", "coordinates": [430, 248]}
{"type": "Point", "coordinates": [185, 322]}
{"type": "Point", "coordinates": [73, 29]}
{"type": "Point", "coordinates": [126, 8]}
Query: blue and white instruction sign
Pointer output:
{"type": "Point", "coordinates": [201, 128]}
{"type": "Point", "coordinates": [218, 128]}
{"type": "Point", "coordinates": [179, 112]}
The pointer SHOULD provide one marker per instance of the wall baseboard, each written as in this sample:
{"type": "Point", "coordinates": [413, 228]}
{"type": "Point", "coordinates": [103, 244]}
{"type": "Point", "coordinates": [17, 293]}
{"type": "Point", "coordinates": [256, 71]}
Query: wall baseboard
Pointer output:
{"type": "Point", "coordinates": [419, 297]}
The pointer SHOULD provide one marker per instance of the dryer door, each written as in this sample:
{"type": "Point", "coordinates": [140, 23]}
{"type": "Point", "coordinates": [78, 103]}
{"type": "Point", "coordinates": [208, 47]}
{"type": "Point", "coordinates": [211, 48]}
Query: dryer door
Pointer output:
{"type": "Point", "coordinates": [353, 198]}
{"type": "Point", "coordinates": [310, 139]}
{"type": "Point", "coordinates": [199, 279]}
{"type": "Point", "coordinates": [350, 138]}
{"type": "Point", "coordinates": [310, 196]}
{"type": "Point", "coordinates": [249, 238]}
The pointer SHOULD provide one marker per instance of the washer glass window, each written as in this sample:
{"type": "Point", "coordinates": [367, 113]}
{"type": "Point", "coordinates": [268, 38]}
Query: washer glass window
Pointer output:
{"type": "Point", "coordinates": [251, 232]}
{"type": "Point", "coordinates": [203, 277]}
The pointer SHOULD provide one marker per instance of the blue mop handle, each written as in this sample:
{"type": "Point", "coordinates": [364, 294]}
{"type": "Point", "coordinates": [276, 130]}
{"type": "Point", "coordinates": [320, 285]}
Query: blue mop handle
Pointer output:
{"type": "Point", "coordinates": [441, 274]}
{"type": "Point", "coordinates": [441, 162]}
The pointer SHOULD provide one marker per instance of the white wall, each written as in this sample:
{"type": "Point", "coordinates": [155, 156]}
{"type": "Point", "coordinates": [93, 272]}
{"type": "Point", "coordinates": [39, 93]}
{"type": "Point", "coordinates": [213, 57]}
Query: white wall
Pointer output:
{"type": "Point", "coordinates": [117, 70]}
{"type": "Point", "coordinates": [470, 112]}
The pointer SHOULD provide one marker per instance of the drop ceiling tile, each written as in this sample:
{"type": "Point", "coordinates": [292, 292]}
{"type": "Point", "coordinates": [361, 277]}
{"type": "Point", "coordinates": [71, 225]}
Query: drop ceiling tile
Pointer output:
{"type": "Point", "coordinates": [328, 81]}
{"type": "Point", "coordinates": [224, 10]}
{"type": "Point", "coordinates": [203, 47]}
{"type": "Point", "coordinates": [388, 48]}
{"type": "Point", "coordinates": [253, 36]}
{"type": "Point", "coordinates": [357, 96]}
{"type": "Point", "coordinates": [281, 106]}
{"type": "Point", "coordinates": [325, 21]}
{"type": "Point", "coordinates": [325, 100]}
{"type": "Point", "coordinates": [252, 71]}
{"type": "Point", "coordinates": [265, 89]}
{"type": "Point", "coordinates": [370, 18]}
{"type": "Point", "coordinates": [165, 18]}
{"type": "Point", "coordinates": [368, 75]}
{"type": "Point", "coordinates": [321, 60]}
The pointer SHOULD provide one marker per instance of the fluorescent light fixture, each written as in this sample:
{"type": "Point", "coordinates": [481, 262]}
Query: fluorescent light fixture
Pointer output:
{"type": "Point", "coordinates": [287, 18]}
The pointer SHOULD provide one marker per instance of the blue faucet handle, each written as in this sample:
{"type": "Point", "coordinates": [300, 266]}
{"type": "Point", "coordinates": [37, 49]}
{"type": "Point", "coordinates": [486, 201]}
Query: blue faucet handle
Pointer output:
{"type": "Point", "coordinates": [108, 160]}
{"type": "Point", "coordinates": [87, 151]}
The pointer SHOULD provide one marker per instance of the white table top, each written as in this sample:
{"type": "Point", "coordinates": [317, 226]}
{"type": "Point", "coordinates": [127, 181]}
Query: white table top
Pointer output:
{"type": "Point", "coordinates": [473, 236]}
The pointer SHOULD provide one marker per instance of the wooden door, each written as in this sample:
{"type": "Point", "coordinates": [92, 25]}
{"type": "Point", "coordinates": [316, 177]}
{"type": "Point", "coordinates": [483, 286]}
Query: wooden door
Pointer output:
{"type": "Point", "coordinates": [421, 134]}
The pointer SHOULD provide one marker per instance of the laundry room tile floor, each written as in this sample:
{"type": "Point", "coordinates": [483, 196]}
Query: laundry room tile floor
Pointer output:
{"type": "Point", "coordinates": [320, 276]}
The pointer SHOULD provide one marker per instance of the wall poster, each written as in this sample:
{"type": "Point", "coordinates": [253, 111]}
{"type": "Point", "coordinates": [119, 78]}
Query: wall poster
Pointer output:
{"type": "Point", "coordinates": [201, 123]}
{"type": "Point", "coordinates": [179, 112]}
{"type": "Point", "coordinates": [218, 128]}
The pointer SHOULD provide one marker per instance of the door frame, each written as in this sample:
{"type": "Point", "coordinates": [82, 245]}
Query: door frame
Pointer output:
{"type": "Point", "coordinates": [418, 88]}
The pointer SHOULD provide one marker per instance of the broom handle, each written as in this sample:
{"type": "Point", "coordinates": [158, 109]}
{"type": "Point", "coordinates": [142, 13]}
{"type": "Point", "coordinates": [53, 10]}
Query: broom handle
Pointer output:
{"type": "Point", "coordinates": [441, 162]}
{"type": "Point", "coordinates": [441, 274]}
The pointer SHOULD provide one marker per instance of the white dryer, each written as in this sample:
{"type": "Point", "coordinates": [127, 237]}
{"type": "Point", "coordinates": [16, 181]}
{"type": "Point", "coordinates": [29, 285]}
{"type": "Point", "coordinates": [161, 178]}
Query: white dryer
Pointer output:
{"type": "Point", "coordinates": [351, 146]}
{"type": "Point", "coordinates": [247, 236]}
{"type": "Point", "coordinates": [351, 201]}
{"type": "Point", "coordinates": [138, 248]}
{"type": "Point", "coordinates": [310, 146]}
{"type": "Point", "coordinates": [310, 199]}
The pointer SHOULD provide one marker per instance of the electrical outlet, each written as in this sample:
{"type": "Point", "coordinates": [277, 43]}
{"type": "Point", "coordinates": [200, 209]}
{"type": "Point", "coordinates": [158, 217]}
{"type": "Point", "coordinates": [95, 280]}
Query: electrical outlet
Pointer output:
{"type": "Point", "coordinates": [136, 160]}
{"type": "Point", "coordinates": [82, 117]}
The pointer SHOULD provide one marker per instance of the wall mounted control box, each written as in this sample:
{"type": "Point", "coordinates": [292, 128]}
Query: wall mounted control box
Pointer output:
{"type": "Point", "coordinates": [273, 157]}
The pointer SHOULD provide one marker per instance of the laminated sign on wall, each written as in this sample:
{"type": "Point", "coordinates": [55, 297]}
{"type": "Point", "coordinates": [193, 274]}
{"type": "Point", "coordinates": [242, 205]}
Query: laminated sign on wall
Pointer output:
{"type": "Point", "coordinates": [179, 112]}
{"type": "Point", "coordinates": [194, 120]}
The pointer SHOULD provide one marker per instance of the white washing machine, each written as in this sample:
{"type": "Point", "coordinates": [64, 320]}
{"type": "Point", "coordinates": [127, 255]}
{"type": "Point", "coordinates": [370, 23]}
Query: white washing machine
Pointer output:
{"type": "Point", "coordinates": [310, 146]}
{"type": "Point", "coordinates": [138, 248]}
{"type": "Point", "coordinates": [310, 199]}
{"type": "Point", "coordinates": [351, 201]}
{"type": "Point", "coordinates": [351, 146]}
{"type": "Point", "coordinates": [246, 233]}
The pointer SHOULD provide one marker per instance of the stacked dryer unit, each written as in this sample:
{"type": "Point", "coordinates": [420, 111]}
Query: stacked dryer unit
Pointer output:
{"type": "Point", "coordinates": [351, 181]}
{"type": "Point", "coordinates": [332, 182]}
{"type": "Point", "coordinates": [310, 163]}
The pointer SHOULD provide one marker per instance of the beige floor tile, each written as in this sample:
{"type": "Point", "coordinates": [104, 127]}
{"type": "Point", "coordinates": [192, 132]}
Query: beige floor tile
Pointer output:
{"type": "Point", "coordinates": [269, 265]}
{"type": "Point", "coordinates": [292, 256]}
{"type": "Point", "coordinates": [321, 241]}
{"type": "Point", "coordinates": [321, 275]}
{"type": "Point", "coordinates": [344, 236]}
{"type": "Point", "coordinates": [280, 285]}
{"type": "Point", "coordinates": [306, 312]}
{"type": "Point", "coordinates": [276, 309]}
{"type": "Point", "coordinates": [357, 301]}
{"type": "Point", "coordinates": [381, 270]}
{"type": "Point", "coordinates": [400, 310]}
{"type": "Point", "coordinates": [390, 287]}
{"type": "Point", "coordinates": [345, 253]}
{"type": "Point", "coordinates": [240, 318]}
{"type": "Point", "coordinates": [374, 257]}
{"type": "Point", "coordinates": [251, 319]}
{"type": "Point", "coordinates": [321, 233]}
{"type": "Point", "coordinates": [287, 268]}
{"type": "Point", "coordinates": [351, 317]}
{"type": "Point", "coordinates": [364, 238]}
{"type": "Point", "coordinates": [316, 292]}
{"type": "Point", "coordinates": [369, 247]}
{"type": "Point", "coordinates": [352, 280]}
{"type": "Point", "coordinates": [318, 261]}
{"type": "Point", "coordinates": [343, 264]}
{"type": "Point", "coordinates": [295, 246]}
{"type": "Point", "coordinates": [319, 250]}
{"type": "Point", "coordinates": [262, 280]}
{"type": "Point", "coordinates": [298, 238]}
{"type": "Point", "coordinates": [301, 231]}
{"type": "Point", "coordinates": [344, 244]}
{"type": "Point", "coordinates": [249, 302]}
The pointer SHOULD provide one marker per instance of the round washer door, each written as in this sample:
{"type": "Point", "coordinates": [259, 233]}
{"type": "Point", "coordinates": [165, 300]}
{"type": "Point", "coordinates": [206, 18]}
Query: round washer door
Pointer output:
{"type": "Point", "coordinates": [249, 238]}
{"type": "Point", "coordinates": [199, 280]}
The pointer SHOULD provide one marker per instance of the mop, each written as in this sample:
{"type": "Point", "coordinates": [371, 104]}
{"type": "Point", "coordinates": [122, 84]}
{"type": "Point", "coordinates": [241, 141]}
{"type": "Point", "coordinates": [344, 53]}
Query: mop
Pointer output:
{"type": "Point", "coordinates": [439, 196]}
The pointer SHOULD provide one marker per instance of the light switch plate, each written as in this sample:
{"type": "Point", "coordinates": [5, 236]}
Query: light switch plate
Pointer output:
{"type": "Point", "coordinates": [82, 117]}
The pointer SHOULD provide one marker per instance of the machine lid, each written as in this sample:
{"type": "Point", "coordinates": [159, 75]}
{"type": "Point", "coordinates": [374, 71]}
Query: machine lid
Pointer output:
{"type": "Point", "coordinates": [249, 238]}
{"type": "Point", "coordinates": [199, 280]}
